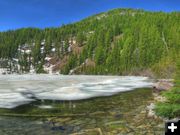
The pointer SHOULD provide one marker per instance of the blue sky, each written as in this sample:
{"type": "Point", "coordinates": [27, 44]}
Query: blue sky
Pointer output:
{"type": "Point", "coordinates": [53, 13]}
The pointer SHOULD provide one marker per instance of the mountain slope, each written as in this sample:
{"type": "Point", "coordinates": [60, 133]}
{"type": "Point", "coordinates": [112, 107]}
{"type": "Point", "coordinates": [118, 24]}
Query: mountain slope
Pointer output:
{"type": "Point", "coordinates": [121, 41]}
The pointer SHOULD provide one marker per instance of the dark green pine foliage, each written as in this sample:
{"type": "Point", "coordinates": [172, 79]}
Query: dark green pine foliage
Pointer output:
{"type": "Point", "coordinates": [119, 42]}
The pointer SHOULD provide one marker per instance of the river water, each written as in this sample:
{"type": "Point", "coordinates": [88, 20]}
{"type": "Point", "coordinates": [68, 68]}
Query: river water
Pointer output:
{"type": "Point", "coordinates": [57, 104]}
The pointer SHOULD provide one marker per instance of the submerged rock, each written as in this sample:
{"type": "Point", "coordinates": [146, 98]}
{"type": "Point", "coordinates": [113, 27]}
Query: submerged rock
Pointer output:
{"type": "Point", "coordinates": [114, 123]}
{"type": "Point", "coordinates": [95, 131]}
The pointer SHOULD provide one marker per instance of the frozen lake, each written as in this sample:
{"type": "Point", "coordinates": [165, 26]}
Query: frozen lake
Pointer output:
{"type": "Point", "coordinates": [17, 90]}
{"type": "Point", "coordinates": [61, 105]}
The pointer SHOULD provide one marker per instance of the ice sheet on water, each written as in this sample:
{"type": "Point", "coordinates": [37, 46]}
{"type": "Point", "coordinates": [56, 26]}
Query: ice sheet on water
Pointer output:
{"type": "Point", "coordinates": [16, 90]}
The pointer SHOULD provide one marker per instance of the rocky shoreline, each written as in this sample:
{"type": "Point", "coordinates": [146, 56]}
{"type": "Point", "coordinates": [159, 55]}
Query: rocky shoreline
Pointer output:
{"type": "Point", "coordinates": [163, 84]}
{"type": "Point", "coordinates": [159, 86]}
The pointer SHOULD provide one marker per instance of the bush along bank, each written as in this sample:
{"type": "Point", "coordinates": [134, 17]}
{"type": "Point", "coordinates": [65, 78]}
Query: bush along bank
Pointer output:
{"type": "Point", "coordinates": [170, 108]}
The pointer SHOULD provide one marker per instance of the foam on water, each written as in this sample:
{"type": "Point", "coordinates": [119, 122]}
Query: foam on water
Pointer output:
{"type": "Point", "coordinates": [16, 90]}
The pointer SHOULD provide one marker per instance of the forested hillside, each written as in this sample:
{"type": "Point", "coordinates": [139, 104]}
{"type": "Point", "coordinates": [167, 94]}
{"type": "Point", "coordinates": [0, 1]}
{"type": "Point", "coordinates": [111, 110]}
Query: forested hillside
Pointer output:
{"type": "Point", "coordinates": [118, 42]}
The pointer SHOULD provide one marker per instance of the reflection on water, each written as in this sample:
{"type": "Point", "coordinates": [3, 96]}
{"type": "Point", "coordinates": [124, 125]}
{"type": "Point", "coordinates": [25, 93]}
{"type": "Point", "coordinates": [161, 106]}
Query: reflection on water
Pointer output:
{"type": "Point", "coordinates": [123, 113]}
